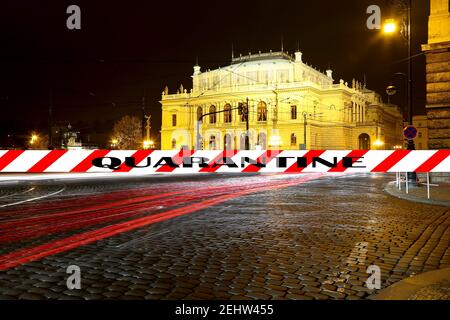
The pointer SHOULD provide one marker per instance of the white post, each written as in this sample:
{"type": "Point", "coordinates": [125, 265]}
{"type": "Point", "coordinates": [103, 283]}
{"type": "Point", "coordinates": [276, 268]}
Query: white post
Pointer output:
{"type": "Point", "coordinates": [428, 185]}
{"type": "Point", "coordinates": [406, 178]}
{"type": "Point", "coordinates": [400, 181]}
{"type": "Point", "coordinates": [396, 179]}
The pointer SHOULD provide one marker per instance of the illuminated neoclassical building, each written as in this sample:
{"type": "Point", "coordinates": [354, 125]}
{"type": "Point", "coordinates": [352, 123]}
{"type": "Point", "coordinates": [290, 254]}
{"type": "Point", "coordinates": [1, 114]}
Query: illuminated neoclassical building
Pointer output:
{"type": "Point", "coordinates": [291, 105]}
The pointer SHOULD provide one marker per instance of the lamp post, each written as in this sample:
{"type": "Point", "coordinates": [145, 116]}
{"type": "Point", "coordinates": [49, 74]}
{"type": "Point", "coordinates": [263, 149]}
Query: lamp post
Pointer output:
{"type": "Point", "coordinates": [304, 129]}
{"type": "Point", "coordinates": [247, 137]}
{"type": "Point", "coordinates": [391, 90]}
{"type": "Point", "coordinates": [50, 119]}
{"type": "Point", "coordinates": [305, 123]}
{"type": "Point", "coordinates": [390, 27]}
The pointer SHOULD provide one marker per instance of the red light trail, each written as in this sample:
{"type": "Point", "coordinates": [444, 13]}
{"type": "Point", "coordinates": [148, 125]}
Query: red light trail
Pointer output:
{"type": "Point", "coordinates": [126, 213]}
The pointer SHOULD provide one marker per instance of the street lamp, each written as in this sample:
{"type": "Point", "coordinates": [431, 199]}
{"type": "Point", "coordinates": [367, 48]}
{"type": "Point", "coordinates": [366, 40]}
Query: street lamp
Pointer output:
{"type": "Point", "coordinates": [391, 90]}
{"type": "Point", "coordinates": [388, 29]}
{"type": "Point", "coordinates": [305, 122]}
{"type": "Point", "coordinates": [378, 143]}
{"type": "Point", "coordinates": [275, 141]}
{"type": "Point", "coordinates": [34, 138]}
{"type": "Point", "coordinates": [148, 144]}
{"type": "Point", "coordinates": [114, 143]}
{"type": "Point", "coordinates": [389, 26]}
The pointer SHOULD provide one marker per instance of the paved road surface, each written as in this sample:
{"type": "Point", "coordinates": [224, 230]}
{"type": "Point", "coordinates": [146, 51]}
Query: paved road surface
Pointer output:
{"type": "Point", "coordinates": [215, 236]}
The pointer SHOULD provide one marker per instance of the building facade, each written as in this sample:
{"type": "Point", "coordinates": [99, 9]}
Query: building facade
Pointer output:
{"type": "Point", "coordinates": [438, 74]}
{"type": "Point", "coordinates": [291, 105]}
{"type": "Point", "coordinates": [421, 124]}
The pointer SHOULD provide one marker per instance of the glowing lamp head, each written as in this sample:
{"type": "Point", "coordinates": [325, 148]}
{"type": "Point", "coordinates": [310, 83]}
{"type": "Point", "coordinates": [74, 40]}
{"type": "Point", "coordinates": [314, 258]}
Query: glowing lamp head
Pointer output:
{"type": "Point", "coordinates": [34, 138]}
{"type": "Point", "coordinates": [114, 141]}
{"type": "Point", "coordinates": [275, 141]}
{"type": "Point", "coordinates": [391, 90]}
{"type": "Point", "coordinates": [148, 144]}
{"type": "Point", "coordinates": [378, 143]}
{"type": "Point", "coordinates": [389, 26]}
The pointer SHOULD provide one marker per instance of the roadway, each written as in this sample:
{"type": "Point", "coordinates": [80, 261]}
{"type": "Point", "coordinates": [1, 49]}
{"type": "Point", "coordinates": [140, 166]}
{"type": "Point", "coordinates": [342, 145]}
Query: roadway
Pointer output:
{"type": "Point", "coordinates": [213, 236]}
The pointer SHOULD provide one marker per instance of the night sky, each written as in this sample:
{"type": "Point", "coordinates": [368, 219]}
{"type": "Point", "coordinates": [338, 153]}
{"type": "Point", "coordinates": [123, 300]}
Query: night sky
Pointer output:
{"type": "Point", "coordinates": [130, 49]}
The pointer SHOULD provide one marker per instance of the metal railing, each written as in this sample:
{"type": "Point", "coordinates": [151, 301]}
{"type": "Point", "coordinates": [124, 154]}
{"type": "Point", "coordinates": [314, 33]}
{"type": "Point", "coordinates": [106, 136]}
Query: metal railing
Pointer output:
{"type": "Point", "coordinates": [399, 180]}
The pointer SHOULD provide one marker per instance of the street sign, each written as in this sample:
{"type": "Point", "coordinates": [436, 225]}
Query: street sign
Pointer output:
{"type": "Point", "coordinates": [410, 132]}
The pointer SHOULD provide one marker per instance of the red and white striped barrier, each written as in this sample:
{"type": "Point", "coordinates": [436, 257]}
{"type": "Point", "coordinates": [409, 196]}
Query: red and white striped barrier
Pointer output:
{"type": "Point", "coordinates": [204, 161]}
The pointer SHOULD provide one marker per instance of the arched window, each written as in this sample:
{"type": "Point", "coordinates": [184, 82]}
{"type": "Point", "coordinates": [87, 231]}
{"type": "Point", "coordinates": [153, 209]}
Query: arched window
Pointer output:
{"type": "Point", "coordinates": [227, 113]}
{"type": "Point", "coordinates": [199, 113]}
{"type": "Point", "coordinates": [242, 141]}
{"type": "Point", "coordinates": [242, 111]}
{"type": "Point", "coordinates": [174, 143]}
{"type": "Point", "coordinates": [262, 140]}
{"type": "Point", "coordinates": [293, 139]}
{"type": "Point", "coordinates": [212, 142]}
{"type": "Point", "coordinates": [212, 116]}
{"type": "Point", "coordinates": [227, 142]}
{"type": "Point", "coordinates": [364, 141]}
{"type": "Point", "coordinates": [262, 111]}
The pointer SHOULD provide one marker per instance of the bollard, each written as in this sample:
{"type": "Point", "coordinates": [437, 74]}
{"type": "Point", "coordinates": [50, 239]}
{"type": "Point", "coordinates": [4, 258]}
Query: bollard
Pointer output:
{"type": "Point", "coordinates": [406, 179]}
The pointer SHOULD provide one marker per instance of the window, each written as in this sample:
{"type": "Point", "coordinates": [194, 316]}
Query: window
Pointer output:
{"type": "Point", "coordinates": [227, 113]}
{"type": "Point", "coordinates": [212, 143]}
{"type": "Point", "coordinates": [174, 143]}
{"type": "Point", "coordinates": [241, 111]}
{"type": "Point", "coordinates": [262, 140]}
{"type": "Point", "coordinates": [199, 113]}
{"type": "Point", "coordinates": [212, 116]}
{"type": "Point", "coordinates": [227, 141]}
{"type": "Point", "coordinates": [242, 141]}
{"type": "Point", "coordinates": [420, 134]}
{"type": "Point", "coordinates": [262, 111]}
{"type": "Point", "coordinates": [293, 139]}
{"type": "Point", "coordinates": [293, 112]}
{"type": "Point", "coordinates": [174, 120]}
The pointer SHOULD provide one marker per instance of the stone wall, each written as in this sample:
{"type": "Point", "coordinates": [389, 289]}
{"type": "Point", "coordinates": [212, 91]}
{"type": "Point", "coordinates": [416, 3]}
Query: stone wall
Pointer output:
{"type": "Point", "coordinates": [438, 95]}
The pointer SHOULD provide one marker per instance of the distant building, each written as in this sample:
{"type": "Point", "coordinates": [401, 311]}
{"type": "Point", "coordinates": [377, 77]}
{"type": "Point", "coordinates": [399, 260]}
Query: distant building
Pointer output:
{"type": "Point", "coordinates": [289, 102]}
{"type": "Point", "coordinates": [64, 137]}
{"type": "Point", "coordinates": [421, 141]}
{"type": "Point", "coordinates": [438, 74]}
{"type": "Point", "coordinates": [72, 140]}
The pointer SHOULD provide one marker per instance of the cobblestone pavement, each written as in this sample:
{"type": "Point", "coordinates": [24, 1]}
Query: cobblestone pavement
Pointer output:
{"type": "Point", "coordinates": [313, 240]}
{"type": "Point", "coordinates": [437, 291]}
